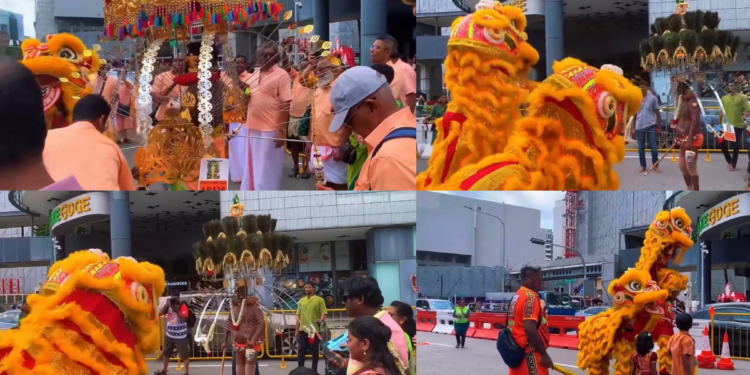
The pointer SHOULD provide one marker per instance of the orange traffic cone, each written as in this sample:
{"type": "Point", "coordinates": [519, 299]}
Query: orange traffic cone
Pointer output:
{"type": "Point", "coordinates": [725, 362]}
{"type": "Point", "coordinates": [707, 358]}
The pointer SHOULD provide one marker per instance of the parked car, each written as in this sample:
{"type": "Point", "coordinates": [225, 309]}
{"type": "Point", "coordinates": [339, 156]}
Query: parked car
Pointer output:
{"type": "Point", "coordinates": [711, 117]}
{"type": "Point", "coordinates": [737, 327]}
{"type": "Point", "coordinates": [591, 311]}
{"type": "Point", "coordinates": [439, 305]}
{"type": "Point", "coordinates": [9, 319]}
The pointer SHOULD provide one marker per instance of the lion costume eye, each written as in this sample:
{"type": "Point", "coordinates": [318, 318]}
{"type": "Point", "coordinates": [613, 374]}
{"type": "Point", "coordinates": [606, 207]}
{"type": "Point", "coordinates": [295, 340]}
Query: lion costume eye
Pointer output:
{"type": "Point", "coordinates": [494, 36]}
{"type": "Point", "coordinates": [634, 286]}
{"type": "Point", "coordinates": [140, 293]}
{"type": "Point", "coordinates": [661, 224]}
{"type": "Point", "coordinates": [678, 223]}
{"type": "Point", "coordinates": [607, 105]}
{"type": "Point", "coordinates": [67, 54]}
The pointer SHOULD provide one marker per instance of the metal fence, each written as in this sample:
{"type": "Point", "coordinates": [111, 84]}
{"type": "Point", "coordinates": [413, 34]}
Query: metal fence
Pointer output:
{"type": "Point", "coordinates": [736, 327]}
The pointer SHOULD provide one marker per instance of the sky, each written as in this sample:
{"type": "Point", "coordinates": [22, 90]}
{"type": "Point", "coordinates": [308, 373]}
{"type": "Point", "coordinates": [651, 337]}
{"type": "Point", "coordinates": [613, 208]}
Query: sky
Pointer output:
{"type": "Point", "coordinates": [541, 200]}
{"type": "Point", "coordinates": [26, 9]}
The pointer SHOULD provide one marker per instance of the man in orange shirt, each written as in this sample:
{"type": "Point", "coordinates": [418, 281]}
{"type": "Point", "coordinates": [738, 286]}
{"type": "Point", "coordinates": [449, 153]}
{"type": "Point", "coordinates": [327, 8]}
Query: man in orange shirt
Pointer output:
{"type": "Point", "coordinates": [527, 320]}
{"type": "Point", "coordinates": [328, 142]}
{"type": "Point", "coordinates": [382, 52]}
{"type": "Point", "coordinates": [83, 151]}
{"type": "Point", "coordinates": [363, 101]}
{"type": "Point", "coordinates": [302, 97]}
{"type": "Point", "coordinates": [267, 117]}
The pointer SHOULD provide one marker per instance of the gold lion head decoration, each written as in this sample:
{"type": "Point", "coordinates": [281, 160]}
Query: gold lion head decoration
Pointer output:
{"type": "Point", "coordinates": [229, 248]}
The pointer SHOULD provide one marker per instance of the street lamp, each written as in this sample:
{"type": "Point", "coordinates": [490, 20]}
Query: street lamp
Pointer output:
{"type": "Point", "coordinates": [537, 241]}
{"type": "Point", "coordinates": [479, 210]}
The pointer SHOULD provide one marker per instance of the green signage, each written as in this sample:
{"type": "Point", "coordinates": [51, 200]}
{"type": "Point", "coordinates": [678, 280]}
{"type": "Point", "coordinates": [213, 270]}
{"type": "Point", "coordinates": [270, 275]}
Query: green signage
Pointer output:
{"type": "Point", "coordinates": [54, 217]}
{"type": "Point", "coordinates": [702, 224]}
{"type": "Point", "coordinates": [569, 280]}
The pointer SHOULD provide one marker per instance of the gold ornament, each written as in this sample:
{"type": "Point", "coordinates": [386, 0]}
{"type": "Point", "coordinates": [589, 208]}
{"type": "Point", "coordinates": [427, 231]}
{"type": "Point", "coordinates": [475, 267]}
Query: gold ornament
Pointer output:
{"type": "Point", "coordinates": [188, 100]}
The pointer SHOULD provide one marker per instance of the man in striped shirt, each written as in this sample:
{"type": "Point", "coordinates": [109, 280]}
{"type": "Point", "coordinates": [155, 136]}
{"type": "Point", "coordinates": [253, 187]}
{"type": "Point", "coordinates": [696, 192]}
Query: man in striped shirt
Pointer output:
{"type": "Point", "coordinates": [647, 126]}
{"type": "Point", "coordinates": [177, 332]}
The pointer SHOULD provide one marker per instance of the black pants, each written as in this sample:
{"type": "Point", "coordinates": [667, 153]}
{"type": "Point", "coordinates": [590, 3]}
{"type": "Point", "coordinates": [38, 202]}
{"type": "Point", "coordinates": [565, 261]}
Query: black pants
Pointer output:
{"type": "Point", "coordinates": [461, 339]}
{"type": "Point", "coordinates": [303, 345]}
{"type": "Point", "coordinates": [731, 160]}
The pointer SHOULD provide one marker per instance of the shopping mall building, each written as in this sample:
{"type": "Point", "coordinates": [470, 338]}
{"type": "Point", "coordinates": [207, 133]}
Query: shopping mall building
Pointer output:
{"type": "Point", "coordinates": [595, 31]}
{"type": "Point", "coordinates": [337, 234]}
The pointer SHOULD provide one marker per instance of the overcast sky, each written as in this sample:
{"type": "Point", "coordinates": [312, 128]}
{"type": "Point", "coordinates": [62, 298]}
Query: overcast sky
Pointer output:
{"type": "Point", "coordinates": [541, 200]}
{"type": "Point", "coordinates": [25, 8]}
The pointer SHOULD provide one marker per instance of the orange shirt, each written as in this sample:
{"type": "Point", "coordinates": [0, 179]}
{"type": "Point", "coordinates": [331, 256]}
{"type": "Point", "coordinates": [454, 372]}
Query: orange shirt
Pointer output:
{"type": "Point", "coordinates": [302, 96]}
{"type": "Point", "coordinates": [321, 121]}
{"type": "Point", "coordinates": [398, 85]}
{"type": "Point", "coordinates": [681, 344]}
{"type": "Point", "coordinates": [270, 96]}
{"type": "Point", "coordinates": [526, 305]}
{"type": "Point", "coordinates": [82, 151]}
{"type": "Point", "coordinates": [409, 74]}
{"type": "Point", "coordinates": [395, 166]}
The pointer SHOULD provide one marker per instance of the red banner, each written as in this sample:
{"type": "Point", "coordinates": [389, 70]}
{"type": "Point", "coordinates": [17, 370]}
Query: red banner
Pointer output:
{"type": "Point", "coordinates": [10, 286]}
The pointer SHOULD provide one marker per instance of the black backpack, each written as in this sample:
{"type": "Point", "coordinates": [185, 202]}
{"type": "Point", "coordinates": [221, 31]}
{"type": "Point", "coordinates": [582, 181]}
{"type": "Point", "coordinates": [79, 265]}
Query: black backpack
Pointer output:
{"type": "Point", "coordinates": [191, 319]}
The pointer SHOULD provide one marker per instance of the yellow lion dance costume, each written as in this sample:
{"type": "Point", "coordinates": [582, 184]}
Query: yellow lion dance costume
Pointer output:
{"type": "Point", "coordinates": [93, 316]}
{"type": "Point", "coordinates": [612, 333]}
{"type": "Point", "coordinates": [570, 138]}
{"type": "Point", "coordinates": [63, 66]}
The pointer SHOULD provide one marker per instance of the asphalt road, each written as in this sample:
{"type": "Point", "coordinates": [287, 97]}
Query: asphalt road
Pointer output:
{"type": "Point", "coordinates": [287, 182]}
{"type": "Point", "coordinates": [437, 354]}
{"type": "Point", "coordinates": [713, 175]}
{"type": "Point", "coordinates": [267, 367]}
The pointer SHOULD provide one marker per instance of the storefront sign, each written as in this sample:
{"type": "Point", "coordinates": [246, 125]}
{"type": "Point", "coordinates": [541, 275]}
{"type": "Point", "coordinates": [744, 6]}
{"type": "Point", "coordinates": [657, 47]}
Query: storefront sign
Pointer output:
{"type": "Point", "coordinates": [214, 175]}
{"type": "Point", "coordinates": [79, 207]}
{"type": "Point", "coordinates": [723, 216]}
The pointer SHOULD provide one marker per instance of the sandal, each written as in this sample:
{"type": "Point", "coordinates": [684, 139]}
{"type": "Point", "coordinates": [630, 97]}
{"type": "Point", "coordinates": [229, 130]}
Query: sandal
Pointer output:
{"type": "Point", "coordinates": [160, 372]}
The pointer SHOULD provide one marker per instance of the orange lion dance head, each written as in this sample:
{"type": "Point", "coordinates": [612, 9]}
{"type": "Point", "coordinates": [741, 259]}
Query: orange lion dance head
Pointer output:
{"type": "Point", "coordinates": [62, 65]}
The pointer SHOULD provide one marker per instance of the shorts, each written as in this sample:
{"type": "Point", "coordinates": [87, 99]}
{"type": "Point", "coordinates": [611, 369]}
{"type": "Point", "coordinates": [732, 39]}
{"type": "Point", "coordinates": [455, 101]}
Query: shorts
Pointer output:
{"type": "Point", "coordinates": [182, 346]}
{"type": "Point", "coordinates": [292, 132]}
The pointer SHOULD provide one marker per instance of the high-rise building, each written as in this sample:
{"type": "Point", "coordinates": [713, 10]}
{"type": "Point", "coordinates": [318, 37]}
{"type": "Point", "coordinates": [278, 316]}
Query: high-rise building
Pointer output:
{"type": "Point", "coordinates": [12, 24]}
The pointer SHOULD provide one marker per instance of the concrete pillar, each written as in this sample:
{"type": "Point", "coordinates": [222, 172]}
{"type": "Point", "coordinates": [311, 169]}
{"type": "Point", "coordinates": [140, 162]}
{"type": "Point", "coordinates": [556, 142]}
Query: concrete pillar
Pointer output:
{"type": "Point", "coordinates": [119, 223]}
{"type": "Point", "coordinates": [553, 26]}
{"type": "Point", "coordinates": [372, 25]}
{"type": "Point", "coordinates": [321, 20]}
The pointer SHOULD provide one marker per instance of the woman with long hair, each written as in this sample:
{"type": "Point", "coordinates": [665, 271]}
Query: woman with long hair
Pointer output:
{"type": "Point", "coordinates": [403, 314]}
{"type": "Point", "coordinates": [688, 133]}
{"type": "Point", "coordinates": [369, 344]}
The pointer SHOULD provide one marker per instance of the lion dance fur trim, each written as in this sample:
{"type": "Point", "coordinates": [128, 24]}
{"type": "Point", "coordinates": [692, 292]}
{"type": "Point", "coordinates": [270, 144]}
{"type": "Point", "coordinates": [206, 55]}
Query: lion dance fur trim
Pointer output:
{"type": "Point", "coordinates": [93, 316]}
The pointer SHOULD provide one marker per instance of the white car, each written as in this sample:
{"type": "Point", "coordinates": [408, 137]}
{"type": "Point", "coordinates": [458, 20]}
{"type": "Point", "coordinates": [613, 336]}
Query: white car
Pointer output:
{"type": "Point", "coordinates": [437, 305]}
{"type": "Point", "coordinates": [9, 319]}
{"type": "Point", "coordinates": [591, 311]}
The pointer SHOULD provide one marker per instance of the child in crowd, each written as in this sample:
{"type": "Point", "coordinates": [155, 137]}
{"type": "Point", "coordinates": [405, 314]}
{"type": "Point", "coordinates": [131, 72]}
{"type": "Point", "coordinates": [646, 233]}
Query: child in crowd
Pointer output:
{"type": "Point", "coordinates": [644, 358]}
{"type": "Point", "coordinates": [682, 347]}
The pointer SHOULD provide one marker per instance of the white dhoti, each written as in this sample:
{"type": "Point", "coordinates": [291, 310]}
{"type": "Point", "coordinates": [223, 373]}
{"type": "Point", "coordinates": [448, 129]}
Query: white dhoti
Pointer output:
{"type": "Point", "coordinates": [265, 162]}
{"type": "Point", "coordinates": [336, 171]}
{"type": "Point", "coordinates": [237, 152]}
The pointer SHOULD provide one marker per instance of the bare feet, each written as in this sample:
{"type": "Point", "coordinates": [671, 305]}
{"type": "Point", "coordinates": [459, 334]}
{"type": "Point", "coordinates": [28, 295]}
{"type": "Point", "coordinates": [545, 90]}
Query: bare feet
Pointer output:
{"type": "Point", "coordinates": [642, 170]}
{"type": "Point", "coordinates": [656, 169]}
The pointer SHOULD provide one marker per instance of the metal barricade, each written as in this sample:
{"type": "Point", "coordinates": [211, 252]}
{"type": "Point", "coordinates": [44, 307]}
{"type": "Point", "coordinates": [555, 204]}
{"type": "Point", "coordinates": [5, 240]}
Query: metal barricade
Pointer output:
{"type": "Point", "coordinates": [736, 326]}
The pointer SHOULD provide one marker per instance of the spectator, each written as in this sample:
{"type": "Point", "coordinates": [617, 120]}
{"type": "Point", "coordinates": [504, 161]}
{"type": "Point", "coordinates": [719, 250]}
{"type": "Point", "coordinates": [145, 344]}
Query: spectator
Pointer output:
{"type": "Point", "coordinates": [311, 312]}
{"type": "Point", "coordinates": [461, 324]}
{"type": "Point", "coordinates": [23, 130]}
{"type": "Point", "coordinates": [682, 347]}
{"type": "Point", "coordinates": [177, 332]}
{"type": "Point", "coordinates": [647, 127]}
{"type": "Point", "coordinates": [403, 314]}
{"type": "Point", "coordinates": [529, 327]}
{"type": "Point", "coordinates": [81, 149]}
{"type": "Point", "coordinates": [382, 52]}
{"type": "Point", "coordinates": [644, 358]}
{"type": "Point", "coordinates": [737, 110]}
{"type": "Point", "coordinates": [368, 344]}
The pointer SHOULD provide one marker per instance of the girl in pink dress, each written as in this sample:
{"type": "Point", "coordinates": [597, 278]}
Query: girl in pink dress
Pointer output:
{"type": "Point", "coordinates": [369, 344]}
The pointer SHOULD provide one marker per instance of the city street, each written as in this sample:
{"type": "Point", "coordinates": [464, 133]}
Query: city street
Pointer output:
{"type": "Point", "coordinates": [267, 367]}
{"type": "Point", "coordinates": [287, 182]}
{"type": "Point", "coordinates": [438, 355]}
{"type": "Point", "coordinates": [713, 175]}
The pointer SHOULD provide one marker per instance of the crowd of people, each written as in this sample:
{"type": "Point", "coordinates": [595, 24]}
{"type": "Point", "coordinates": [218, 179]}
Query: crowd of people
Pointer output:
{"type": "Point", "coordinates": [360, 120]}
{"type": "Point", "coordinates": [380, 341]}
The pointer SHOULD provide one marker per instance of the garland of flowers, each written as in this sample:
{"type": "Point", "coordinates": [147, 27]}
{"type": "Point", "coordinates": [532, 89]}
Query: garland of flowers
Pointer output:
{"type": "Point", "coordinates": [236, 322]}
{"type": "Point", "coordinates": [205, 118]}
{"type": "Point", "coordinates": [144, 104]}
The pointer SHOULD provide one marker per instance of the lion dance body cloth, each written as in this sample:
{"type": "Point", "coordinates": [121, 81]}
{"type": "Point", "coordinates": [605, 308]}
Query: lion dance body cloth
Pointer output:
{"type": "Point", "coordinates": [504, 132]}
{"type": "Point", "coordinates": [641, 301]}
{"type": "Point", "coordinates": [65, 69]}
{"type": "Point", "coordinates": [93, 316]}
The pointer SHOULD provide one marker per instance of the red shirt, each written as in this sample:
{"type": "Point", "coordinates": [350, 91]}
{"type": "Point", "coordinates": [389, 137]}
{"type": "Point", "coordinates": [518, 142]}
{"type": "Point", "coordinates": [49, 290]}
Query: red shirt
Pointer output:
{"type": "Point", "coordinates": [643, 364]}
{"type": "Point", "coordinates": [526, 305]}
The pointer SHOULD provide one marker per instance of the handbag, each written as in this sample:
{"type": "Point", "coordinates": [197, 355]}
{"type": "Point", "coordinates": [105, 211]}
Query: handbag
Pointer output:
{"type": "Point", "coordinates": [348, 153]}
{"type": "Point", "coordinates": [513, 355]}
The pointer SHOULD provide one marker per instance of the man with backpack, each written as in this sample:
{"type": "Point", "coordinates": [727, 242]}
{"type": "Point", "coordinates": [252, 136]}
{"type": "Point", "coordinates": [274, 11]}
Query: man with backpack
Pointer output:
{"type": "Point", "coordinates": [177, 336]}
{"type": "Point", "coordinates": [523, 344]}
{"type": "Point", "coordinates": [364, 102]}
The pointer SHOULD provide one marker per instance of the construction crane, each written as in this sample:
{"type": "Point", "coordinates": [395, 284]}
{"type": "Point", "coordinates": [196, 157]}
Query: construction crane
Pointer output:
{"type": "Point", "coordinates": [572, 205]}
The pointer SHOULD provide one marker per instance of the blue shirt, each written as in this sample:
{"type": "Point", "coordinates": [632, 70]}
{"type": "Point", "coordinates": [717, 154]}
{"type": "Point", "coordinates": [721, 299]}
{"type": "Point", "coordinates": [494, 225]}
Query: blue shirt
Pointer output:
{"type": "Point", "coordinates": [646, 116]}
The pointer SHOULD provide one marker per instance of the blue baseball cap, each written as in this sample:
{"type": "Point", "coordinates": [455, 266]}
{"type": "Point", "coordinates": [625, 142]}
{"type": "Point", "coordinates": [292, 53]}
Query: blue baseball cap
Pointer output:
{"type": "Point", "coordinates": [351, 88]}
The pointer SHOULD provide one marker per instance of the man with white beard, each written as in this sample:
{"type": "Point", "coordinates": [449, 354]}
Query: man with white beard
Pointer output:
{"type": "Point", "coordinates": [328, 142]}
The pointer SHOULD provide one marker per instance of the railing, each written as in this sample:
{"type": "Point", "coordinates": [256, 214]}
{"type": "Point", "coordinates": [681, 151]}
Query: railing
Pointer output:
{"type": "Point", "coordinates": [736, 328]}
{"type": "Point", "coordinates": [15, 197]}
{"type": "Point", "coordinates": [461, 5]}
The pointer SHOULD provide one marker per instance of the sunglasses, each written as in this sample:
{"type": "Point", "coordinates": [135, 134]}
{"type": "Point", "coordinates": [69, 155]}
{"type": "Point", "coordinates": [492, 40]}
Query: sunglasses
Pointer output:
{"type": "Point", "coordinates": [350, 115]}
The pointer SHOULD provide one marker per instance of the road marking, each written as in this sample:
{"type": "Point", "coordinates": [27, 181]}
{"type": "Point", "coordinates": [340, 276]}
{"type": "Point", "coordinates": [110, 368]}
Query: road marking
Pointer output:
{"type": "Point", "coordinates": [228, 365]}
{"type": "Point", "coordinates": [439, 344]}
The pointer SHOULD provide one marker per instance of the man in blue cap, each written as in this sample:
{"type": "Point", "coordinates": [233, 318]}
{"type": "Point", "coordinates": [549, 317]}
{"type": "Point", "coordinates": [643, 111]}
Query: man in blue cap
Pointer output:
{"type": "Point", "coordinates": [364, 102]}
